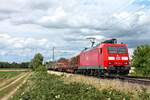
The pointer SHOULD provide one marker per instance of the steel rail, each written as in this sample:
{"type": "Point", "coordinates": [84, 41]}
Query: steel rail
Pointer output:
{"type": "Point", "coordinates": [135, 79]}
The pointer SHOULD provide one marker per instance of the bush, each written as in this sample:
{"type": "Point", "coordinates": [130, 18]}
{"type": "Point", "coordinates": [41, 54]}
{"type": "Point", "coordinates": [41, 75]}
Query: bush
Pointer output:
{"type": "Point", "coordinates": [36, 61]}
{"type": "Point", "coordinates": [144, 95]}
{"type": "Point", "coordinates": [141, 60]}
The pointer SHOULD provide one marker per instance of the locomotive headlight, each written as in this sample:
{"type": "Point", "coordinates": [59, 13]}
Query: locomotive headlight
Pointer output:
{"type": "Point", "coordinates": [111, 58]}
{"type": "Point", "coordinates": [110, 63]}
{"type": "Point", "coordinates": [124, 58]}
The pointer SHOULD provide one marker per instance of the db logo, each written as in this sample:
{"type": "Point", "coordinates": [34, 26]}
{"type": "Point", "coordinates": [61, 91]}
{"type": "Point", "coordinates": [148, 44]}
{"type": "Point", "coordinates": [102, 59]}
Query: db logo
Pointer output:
{"type": "Point", "coordinates": [117, 58]}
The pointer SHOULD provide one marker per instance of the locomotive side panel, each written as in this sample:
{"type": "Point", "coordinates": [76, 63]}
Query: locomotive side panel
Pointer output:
{"type": "Point", "coordinates": [102, 57]}
{"type": "Point", "coordinates": [93, 58]}
{"type": "Point", "coordinates": [90, 59]}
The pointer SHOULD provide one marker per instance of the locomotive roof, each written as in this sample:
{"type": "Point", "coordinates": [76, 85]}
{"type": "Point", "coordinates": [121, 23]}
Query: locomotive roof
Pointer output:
{"type": "Point", "coordinates": [103, 44]}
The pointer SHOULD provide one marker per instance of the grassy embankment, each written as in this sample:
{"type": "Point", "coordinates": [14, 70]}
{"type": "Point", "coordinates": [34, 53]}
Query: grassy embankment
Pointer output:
{"type": "Point", "coordinates": [54, 87]}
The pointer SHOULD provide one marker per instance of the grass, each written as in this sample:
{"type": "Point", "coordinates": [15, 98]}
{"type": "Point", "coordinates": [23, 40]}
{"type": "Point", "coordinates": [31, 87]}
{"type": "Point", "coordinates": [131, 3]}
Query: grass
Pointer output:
{"type": "Point", "coordinates": [64, 87]}
{"type": "Point", "coordinates": [101, 84]}
{"type": "Point", "coordinates": [52, 87]}
{"type": "Point", "coordinates": [8, 75]}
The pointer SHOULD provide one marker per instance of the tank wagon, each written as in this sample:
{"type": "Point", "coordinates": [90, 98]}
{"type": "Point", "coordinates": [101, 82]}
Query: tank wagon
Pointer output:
{"type": "Point", "coordinates": [108, 57]}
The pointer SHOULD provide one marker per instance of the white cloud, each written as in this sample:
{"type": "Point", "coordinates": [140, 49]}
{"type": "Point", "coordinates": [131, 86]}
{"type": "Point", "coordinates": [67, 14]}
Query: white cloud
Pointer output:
{"type": "Point", "coordinates": [56, 16]}
{"type": "Point", "coordinates": [42, 24]}
{"type": "Point", "coordinates": [20, 42]}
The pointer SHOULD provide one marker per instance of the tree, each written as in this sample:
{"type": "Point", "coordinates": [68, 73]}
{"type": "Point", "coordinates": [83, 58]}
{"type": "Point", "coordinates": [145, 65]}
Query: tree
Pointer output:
{"type": "Point", "coordinates": [36, 61]}
{"type": "Point", "coordinates": [24, 65]}
{"type": "Point", "coordinates": [14, 65]}
{"type": "Point", "coordinates": [141, 59]}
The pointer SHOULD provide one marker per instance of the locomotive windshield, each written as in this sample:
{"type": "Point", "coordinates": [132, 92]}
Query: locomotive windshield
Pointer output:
{"type": "Point", "coordinates": [122, 50]}
{"type": "Point", "coordinates": [114, 49]}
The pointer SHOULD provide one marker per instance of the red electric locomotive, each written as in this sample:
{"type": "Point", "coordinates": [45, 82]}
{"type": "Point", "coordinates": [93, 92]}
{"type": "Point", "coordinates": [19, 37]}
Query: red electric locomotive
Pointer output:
{"type": "Point", "coordinates": [107, 57]}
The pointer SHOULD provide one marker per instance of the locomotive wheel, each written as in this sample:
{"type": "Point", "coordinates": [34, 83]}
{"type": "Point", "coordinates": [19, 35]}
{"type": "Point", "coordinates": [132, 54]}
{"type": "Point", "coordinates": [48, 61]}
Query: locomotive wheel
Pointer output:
{"type": "Point", "coordinates": [96, 72]}
{"type": "Point", "coordinates": [126, 72]}
{"type": "Point", "coordinates": [101, 73]}
{"type": "Point", "coordinates": [88, 72]}
{"type": "Point", "coordinates": [79, 71]}
{"type": "Point", "coordinates": [112, 72]}
{"type": "Point", "coordinates": [84, 71]}
{"type": "Point", "coordinates": [92, 72]}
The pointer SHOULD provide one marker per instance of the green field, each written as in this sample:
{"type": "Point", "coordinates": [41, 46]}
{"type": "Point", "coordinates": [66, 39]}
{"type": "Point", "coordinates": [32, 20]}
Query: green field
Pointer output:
{"type": "Point", "coordinates": [9, 74]}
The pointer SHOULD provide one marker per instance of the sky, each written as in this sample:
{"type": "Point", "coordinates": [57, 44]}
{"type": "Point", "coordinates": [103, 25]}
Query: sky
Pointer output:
{"type": "Point", "coordinates": [31, 26]}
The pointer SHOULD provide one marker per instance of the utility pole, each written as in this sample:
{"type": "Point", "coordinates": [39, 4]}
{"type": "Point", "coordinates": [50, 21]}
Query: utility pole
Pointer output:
{"type": "Point", "coordinates": [53, 54]}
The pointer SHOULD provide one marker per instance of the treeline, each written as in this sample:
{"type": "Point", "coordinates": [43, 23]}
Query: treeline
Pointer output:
{"type": "Point", "coordinates": [14, 65]}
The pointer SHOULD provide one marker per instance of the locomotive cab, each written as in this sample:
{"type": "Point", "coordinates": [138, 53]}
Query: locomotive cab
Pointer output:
{"type": "Point", "coordinates": [116, 58]}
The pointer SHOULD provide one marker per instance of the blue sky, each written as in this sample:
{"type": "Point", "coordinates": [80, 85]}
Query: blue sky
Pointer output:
{"type": "Point", "coordinates": [31, 26]}
{"type": "Point", "coordinates": [143, 2]}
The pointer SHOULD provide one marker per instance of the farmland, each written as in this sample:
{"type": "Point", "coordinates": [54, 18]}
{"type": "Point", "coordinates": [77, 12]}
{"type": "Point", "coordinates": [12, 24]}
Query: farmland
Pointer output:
{"type": "Point", "coordinates": [10, 82]}
{"type": "Point", "coordinates": [8, 75]}
{"type": "Point", "coordinates": [64, 87]}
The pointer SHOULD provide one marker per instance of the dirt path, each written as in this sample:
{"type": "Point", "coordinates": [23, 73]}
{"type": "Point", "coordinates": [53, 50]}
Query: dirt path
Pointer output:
{"type": "Point", "coordinates": [13, 82]}
{"type": "Point", "coordinates": [13, 70]}
{"type": "Point", "coordinates": [8, 81]}
{"type": "Point", "coordinates": [15, 85]}
{"type": "Point", "coordinates": [60, 73]}
{"type": "Point", "coordinates": [14, 90]}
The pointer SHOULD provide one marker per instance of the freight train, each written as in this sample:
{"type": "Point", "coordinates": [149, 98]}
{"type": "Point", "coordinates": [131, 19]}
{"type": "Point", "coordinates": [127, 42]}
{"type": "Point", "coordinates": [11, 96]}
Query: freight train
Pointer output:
{"type": "Point", "coordinates": [107, 58]}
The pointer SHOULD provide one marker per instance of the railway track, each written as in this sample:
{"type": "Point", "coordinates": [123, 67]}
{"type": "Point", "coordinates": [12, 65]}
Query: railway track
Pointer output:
{"type": "Point", "coordinates": [132, 79]}
{"type": "Point", "coordinates": [135, 79]}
